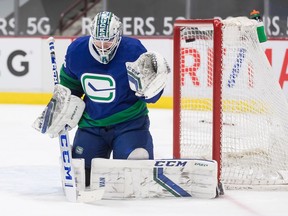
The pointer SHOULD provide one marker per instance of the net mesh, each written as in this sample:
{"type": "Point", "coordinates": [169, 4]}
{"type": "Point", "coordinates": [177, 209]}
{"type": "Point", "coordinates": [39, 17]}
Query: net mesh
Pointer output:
{"type": "Point", "coordinates": [254, 132]}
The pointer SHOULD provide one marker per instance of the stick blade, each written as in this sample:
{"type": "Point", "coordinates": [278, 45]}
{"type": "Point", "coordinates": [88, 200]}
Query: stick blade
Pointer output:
{"type": "Point", "coordinates": [70, 194]}
{"type": "Point", "coordinates": [87, 196]}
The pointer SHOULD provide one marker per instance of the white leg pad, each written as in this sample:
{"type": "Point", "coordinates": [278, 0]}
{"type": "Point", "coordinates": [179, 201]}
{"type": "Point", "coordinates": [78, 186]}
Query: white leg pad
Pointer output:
{"type": "Point", "coordinates": [79, 170]}
{"type": "Point", "coordinates": [154, 178]}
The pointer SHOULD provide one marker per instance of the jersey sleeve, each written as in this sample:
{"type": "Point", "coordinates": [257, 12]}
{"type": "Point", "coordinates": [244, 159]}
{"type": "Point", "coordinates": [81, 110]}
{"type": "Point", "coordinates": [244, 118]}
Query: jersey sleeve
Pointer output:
{"type": "Point", "coordinates": [73, 84]}
{"type": "Point", "coordinates": [69, 79]}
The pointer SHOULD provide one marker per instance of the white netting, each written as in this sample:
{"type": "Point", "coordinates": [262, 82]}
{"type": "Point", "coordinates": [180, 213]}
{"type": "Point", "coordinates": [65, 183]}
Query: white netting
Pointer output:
{"type": "Point", "coordinates": [254, 108]}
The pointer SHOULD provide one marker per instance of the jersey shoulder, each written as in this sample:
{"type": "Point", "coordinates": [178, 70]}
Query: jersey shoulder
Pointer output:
{"type": "Point", "coordinates": [78, 44]}
{"type": "Point", "coordinates": [132, 46]}
{"type": "Point", "coordinates": [132, 42]}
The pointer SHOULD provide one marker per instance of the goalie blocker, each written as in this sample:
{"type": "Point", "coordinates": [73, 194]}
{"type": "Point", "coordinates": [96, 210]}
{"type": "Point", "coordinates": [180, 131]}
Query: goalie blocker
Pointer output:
{"type": "Point", "coordinates": [63, 111]}
{"type": "Point", "coordinates": [124, 179]}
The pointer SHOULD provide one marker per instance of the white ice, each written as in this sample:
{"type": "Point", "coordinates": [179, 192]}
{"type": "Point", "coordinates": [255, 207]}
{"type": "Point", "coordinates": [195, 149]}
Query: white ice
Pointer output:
{"type": "Point", "coordinates": [30, 178]}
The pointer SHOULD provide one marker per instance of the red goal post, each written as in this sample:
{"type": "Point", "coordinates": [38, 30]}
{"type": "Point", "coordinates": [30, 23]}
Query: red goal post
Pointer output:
{"type": "Point", "coordinates": [227, 103]}
{"type": "Point", "coordinates": [217, 44]}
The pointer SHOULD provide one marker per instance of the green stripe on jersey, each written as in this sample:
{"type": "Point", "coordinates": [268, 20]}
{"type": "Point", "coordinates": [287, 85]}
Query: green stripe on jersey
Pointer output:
{"type": "Point", "coordinates": [133, 112]}
{"type": "Point", "coordinates": [69, 82]}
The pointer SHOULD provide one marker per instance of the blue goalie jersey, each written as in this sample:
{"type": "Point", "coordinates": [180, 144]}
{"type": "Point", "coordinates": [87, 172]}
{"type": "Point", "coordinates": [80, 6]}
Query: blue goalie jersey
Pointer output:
{"type": "Point", "coordinates": [107, 94]}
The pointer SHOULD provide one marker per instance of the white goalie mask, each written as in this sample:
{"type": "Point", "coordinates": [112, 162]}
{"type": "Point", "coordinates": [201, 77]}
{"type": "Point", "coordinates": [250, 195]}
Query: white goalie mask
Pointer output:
{"type": "Point", "coordinates": [106, 34]}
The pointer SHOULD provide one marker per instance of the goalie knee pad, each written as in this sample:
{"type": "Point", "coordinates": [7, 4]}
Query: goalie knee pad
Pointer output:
{"type": "Point", "coordinates": [138, 153]}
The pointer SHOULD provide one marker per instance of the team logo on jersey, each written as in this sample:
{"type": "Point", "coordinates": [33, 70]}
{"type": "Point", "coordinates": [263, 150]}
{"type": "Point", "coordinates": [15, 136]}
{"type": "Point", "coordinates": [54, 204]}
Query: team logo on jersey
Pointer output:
{"type": "Point", "coordinates": [98, 87]}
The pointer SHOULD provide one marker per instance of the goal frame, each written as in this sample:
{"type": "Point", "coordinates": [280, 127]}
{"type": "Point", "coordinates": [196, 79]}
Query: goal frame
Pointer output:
{"type": "Point", "coordinates": [217, 81]}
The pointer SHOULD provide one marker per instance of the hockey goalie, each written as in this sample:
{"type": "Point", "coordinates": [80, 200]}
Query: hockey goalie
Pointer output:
{"type": "Point", "coordinates": [116, 77]}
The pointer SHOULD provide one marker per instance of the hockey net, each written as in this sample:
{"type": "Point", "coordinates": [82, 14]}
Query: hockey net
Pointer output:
{"type": "Point", "coordinates": [228, 104]}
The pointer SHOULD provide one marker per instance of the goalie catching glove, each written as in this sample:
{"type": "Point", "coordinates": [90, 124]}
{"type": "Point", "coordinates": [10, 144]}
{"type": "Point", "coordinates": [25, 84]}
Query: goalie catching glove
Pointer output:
{"type": "Point", "coordinates": [148, 74]}
{"type": "Point", "coordinates": [63, 110]}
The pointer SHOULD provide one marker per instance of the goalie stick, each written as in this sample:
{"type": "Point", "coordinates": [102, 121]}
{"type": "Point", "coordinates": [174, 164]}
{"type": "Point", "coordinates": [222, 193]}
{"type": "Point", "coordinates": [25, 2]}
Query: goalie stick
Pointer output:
{"type": "Point", "coordinates": [67, 170]}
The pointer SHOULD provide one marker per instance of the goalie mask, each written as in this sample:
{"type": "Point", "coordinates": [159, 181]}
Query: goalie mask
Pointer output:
{"type": "Point", "coordinates": [106, 33]}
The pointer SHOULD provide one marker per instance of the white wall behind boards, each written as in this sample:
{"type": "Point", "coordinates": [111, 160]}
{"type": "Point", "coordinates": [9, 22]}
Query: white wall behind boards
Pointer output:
{"type": "Point", "coordinates": [25, 62]}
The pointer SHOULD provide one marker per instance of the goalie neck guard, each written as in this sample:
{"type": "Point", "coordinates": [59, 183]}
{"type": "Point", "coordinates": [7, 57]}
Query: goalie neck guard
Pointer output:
{"type": "Point", "coordinates": [106, 34]}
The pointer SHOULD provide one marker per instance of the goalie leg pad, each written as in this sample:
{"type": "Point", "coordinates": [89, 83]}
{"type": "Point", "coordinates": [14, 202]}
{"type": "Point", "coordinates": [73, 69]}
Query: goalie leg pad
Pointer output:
{"type": "Point", "coordinates": [79, 171]}
{"type": "Point", "coordinates": [155, 178]}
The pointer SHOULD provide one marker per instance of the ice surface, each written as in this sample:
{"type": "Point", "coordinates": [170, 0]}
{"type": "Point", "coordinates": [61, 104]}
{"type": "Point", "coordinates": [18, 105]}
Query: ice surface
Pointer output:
{"type": "Point", "coordinates": [30, 177]}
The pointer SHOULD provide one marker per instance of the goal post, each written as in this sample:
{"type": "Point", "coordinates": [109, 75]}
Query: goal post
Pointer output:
{"type": "Point", "coordinates": [179, 26]}
{"type": "Point", "coordinates": [228, 104]}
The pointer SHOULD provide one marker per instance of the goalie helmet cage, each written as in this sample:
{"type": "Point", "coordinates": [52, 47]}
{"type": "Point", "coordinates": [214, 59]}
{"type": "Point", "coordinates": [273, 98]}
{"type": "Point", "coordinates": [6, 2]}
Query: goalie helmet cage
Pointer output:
{"type": "Point", "coordinates": [228, 104]}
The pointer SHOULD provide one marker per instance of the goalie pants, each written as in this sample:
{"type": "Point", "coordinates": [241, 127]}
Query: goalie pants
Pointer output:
{"type": "Point", "coordinates": [122, 139]}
